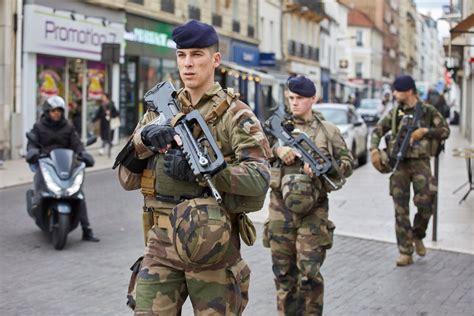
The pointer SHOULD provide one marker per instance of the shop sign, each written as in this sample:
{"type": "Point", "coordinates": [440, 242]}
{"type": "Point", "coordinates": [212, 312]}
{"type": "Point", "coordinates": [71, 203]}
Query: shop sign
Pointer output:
{"type": "Point", "coordinates": [69, 34]}
{"type": "Point", "coordinates": [150, 37]}
{"type": "Point", "coordinates": [267, 59]}
{"type": "Point", "coordinates": [246, 55]}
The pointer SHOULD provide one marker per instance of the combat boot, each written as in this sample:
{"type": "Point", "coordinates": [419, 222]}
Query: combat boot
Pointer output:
{"type": "Point", "coordinates": [88, 235]}
{"type": "Point", "coordinates": [420, 247]}
{"type": "Point", "coordinates": [404, 260]}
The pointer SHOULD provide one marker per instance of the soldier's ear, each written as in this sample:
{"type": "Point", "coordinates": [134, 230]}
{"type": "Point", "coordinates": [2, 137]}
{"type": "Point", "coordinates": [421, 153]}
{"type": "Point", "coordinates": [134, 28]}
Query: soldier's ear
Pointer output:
{"type": "Point", "coordinates": [216, 59]}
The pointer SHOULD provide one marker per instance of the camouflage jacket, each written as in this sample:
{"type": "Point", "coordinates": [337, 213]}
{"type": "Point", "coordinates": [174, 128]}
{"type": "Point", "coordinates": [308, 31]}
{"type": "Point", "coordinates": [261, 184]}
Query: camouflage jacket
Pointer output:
{"type": "Point", "coordinates": [438, 129]}
{"type": "Point", "coordinates": [240, 136]}
{"type": "Point", "coordinates": [328, 138]}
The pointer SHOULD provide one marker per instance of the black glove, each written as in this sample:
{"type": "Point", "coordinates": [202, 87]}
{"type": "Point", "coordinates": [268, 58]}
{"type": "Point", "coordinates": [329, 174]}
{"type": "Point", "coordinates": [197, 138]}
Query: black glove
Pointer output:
{"type": "Point", "coordinates": [177, 167]}
{"type": "Point", "coordinates": [157, 137]}
{"type": "Point", "coordinates": [87, 158]}
{"type": "Point", "coordinates": [32, 155]}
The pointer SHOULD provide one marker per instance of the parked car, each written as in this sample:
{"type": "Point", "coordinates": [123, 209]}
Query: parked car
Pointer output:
{"type": "Point", "coordinates": [370, 110]}
{"type": "Point", "coordinates": [352, 127]}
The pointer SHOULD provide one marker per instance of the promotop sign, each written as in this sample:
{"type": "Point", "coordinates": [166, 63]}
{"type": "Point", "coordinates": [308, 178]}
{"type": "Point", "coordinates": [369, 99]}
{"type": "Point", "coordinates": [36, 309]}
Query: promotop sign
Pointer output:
{"type": "Point", "coordinates": [64, 33]}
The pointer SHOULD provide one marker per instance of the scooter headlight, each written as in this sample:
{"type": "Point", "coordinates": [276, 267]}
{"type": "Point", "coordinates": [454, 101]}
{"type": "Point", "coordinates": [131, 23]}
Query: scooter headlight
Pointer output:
{"type": "Point", "coordinates": [76, 185]}
{"type": "Point", "coordinates": [50, 183]}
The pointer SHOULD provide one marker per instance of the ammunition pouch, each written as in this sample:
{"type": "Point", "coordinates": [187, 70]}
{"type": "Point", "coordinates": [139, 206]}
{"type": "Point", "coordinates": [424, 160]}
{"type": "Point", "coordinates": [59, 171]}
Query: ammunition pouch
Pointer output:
{"type": "Point", "coordinates": [275, 178]}
{"type": "Point", "coordinates": [247, 230]}
{"type": "Point", "coordinates": [300, 192]}
{"type": "Point", "coordinates": [201, 232]}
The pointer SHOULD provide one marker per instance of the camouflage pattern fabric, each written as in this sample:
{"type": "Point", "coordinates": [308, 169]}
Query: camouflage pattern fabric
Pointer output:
{"type": "Point", "coordinates": [300, 192]}
{"type": "Point", "coordinates": [418, 172]}
{"type": "Point", "coordinates": [431, 118]}
{"type": "Point", "coordinates": [298, 244]}
{"type": "Point", "coordinates": [299, 241]}
{"type": "Point", "coordinates": [201, 232]}
{"type": "Point", "coordinates": [165, 279]}
{"type": "Point", "coordinates": [415, 168]}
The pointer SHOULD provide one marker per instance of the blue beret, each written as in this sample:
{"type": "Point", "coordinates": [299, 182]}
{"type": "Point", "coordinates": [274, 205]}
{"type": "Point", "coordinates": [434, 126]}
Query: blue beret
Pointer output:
{"type": "Point", "coordinates": [404, 83]}
{"type": "Point", "coordinates": [302, 86]}
{"type": "Point", "coordinates": [194, 34]}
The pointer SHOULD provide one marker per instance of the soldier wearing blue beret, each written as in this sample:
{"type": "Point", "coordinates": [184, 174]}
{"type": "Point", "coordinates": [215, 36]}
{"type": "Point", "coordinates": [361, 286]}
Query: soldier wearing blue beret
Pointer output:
{"type": "Point", "coordinates": [414, 167]}
{"type": "Point", "coordinates": [299, 231]}
{"type": "Point", "coordinates": [193, 244]}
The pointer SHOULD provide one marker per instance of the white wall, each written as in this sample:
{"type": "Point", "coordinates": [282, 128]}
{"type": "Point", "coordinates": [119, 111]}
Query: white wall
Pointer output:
{"type": "Point", "coordinates": [270, 27]}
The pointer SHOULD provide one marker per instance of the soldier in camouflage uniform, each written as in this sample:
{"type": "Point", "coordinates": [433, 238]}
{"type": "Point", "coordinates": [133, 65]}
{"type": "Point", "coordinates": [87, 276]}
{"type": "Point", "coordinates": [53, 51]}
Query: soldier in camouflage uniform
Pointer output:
{"type": "Point", "coordinates": [414, 168]}
{"type": "Point", "coordinates": [298, 230]}
{"type": "Point", "coordinates": [193, 247]}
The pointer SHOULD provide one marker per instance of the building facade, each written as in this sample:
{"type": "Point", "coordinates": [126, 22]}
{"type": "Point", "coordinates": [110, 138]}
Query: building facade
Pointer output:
{"type": "Point", "coordinates": [408, 33]}
{"type": "Point", "coordinates": [366, 57]}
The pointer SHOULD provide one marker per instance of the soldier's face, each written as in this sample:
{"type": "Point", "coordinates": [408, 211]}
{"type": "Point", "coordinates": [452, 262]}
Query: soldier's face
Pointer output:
{"type": "Point", "coordinates": [401, 96]}
{"type": "Point", "coordinates": [196, 66]}
{"type": "Point", "coordinates": [300, 106]}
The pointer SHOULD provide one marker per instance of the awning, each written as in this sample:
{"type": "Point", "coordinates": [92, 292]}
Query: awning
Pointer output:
{"type": "Point", "coordinates": [263, 77]}
{"type": "Point", "coordinates": [463, 27]}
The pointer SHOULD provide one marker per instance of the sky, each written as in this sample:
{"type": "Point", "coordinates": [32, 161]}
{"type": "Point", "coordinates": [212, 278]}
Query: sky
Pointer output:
{"type": "Point", "coordinates": [435, 7]}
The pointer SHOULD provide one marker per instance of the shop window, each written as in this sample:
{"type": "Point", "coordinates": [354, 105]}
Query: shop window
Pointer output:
{"type": "Point", "coordinates": [50, 79]}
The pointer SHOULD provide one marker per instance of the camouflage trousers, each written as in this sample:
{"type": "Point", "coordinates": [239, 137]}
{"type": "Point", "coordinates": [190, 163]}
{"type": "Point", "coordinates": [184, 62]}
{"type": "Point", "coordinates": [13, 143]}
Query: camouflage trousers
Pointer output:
{"type": "Point", "coordinates": [418, 172]}
{"type": "Point", "coordinates": [298, 244]}
{"type": "Point", "coordinates": [164, 282]}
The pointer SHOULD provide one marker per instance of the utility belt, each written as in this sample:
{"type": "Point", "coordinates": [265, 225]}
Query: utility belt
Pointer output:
{"type": "Point", "coordinates": [181, 198]}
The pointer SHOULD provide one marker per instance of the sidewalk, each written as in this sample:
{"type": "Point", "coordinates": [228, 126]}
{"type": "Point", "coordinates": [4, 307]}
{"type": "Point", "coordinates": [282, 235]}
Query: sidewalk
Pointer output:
{"type": "Point", "coordinates": [363, 208]}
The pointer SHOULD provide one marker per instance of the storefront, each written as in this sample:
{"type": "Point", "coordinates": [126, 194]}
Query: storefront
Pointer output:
{"type": "Point", "coordinates": [61, 56]}
{"type": "Point", "coordinates": [150, 58]}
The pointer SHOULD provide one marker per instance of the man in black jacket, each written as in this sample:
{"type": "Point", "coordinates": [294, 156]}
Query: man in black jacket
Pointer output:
{"type": "Point", "coordinates": [54, 131]}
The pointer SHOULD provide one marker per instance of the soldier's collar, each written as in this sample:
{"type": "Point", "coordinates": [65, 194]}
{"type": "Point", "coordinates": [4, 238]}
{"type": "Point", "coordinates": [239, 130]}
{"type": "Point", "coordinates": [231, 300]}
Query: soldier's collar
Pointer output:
{"type": "Point", "coordinates": [185, 98]}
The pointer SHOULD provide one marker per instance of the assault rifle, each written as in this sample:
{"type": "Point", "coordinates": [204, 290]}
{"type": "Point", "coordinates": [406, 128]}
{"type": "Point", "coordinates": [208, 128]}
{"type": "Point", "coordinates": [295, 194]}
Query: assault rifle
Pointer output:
{"type": "Point", "coordinates": [399, 150]}
{"type": "Point", "coordinates": [204, 163]}
{"type": "Point", "coordinates": [279, 126]}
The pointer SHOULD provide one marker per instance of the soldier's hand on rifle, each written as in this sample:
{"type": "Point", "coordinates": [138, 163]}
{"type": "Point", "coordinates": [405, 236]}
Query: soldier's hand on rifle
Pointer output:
{"type": "Point", "coordinates": [307, 169]}
{"type": "Point", "coordinates": [177, 167]}
{"type": "Point", "coordinates": [286, 154]}
{"type": "Point", "coordinates": [418, 134]}
{"type": "Point", "coordinates": [159, 138]}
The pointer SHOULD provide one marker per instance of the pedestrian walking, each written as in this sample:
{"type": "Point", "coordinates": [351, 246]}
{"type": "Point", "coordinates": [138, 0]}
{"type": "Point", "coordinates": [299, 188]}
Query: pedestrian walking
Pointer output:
{"type": "Point", "coordinates": [106, 114]}
{"type": "Point", "coordinates": [414, 167]}
{"type": "Point", "coordinates": [193, 246]}
{"type": "Point", "coordinates": [298, 229]}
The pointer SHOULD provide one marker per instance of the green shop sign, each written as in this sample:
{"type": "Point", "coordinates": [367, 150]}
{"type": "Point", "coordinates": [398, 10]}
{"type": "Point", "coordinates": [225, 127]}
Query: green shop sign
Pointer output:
{"type": "Point", "coordinates": [146, 37]}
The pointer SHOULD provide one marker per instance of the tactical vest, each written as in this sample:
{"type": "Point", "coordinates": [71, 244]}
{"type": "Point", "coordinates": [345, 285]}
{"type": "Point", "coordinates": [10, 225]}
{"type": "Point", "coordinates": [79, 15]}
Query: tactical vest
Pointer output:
{"type": "Point", "coordinates": [425, 147]}
{"type": "Point", "coordinates": [318, 134]}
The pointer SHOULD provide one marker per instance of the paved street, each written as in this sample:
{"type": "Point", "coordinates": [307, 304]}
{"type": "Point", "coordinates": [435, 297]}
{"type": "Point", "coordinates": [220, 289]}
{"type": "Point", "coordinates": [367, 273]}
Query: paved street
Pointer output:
{"type": "Point", "coordinates": [91, 279]}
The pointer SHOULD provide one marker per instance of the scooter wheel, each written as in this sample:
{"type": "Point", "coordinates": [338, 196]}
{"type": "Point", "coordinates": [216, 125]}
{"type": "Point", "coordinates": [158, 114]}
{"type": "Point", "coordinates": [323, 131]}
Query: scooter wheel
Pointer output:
{"type": "Point", "coordinates": [30, 195]}
{"type": "Point", "coordinates": [60, 230]}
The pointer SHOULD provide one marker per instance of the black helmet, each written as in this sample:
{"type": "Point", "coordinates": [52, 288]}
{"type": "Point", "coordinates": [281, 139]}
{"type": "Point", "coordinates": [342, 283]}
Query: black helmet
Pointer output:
{"type": "Point", "coordinates": [54, 102]}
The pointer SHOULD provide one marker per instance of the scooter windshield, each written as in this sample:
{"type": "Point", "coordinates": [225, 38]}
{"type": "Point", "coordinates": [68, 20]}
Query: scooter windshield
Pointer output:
{"type": "Point", "coordinates": [62, 161]}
